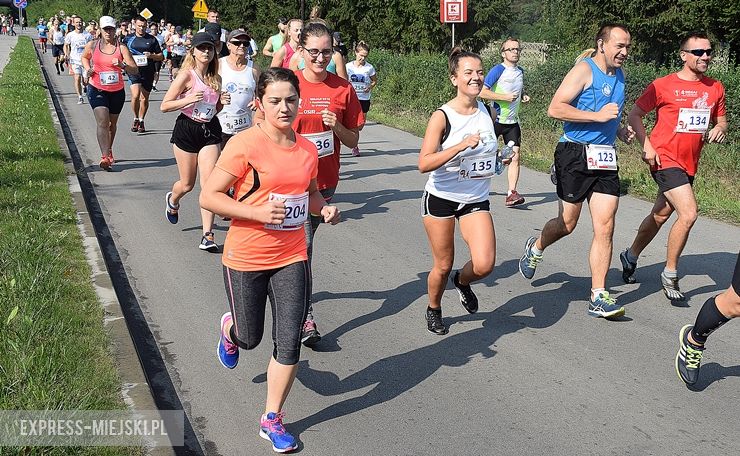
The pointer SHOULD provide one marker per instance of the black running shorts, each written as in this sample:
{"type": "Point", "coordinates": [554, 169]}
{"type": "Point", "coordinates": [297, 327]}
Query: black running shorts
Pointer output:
{"type": "Point", "coordinates": [114, 101]}
{"type": "Point", "coordinates": [670, 178]}
{"type": "Point", "coordinates": [146, 79]}
{"type": "Point", "coordinates": [437, 207]}
{"type": "Point", "coordinates": [365, 104]}
{"type": "Point", "coordinates": [57, 50]}
{"type": "Point", "coordinates": [509, 132]}
{"type": "Point", "coordinates": [575, 181]}
{"type": "Point", "coordinates": [192, 136]}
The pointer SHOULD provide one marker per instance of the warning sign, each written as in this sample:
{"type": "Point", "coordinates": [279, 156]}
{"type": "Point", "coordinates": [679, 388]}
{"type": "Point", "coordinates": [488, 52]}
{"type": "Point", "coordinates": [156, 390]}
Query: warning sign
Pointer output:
{"type": "Point", "coordinates": [200, 7]}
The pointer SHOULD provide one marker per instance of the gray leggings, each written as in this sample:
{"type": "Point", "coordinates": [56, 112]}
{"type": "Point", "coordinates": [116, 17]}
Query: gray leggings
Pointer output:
{"type": "Point", "coordinates": [288, 289]}
{"type": "Point", "coordinates": [310, 227]}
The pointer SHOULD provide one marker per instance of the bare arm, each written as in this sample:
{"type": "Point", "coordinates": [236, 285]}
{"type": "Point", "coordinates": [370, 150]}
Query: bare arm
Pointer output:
{"type": "Point", "coordinates": [341, 66]}
{"type": "Point", "coordinates": [634, 120]}
{"type": "Point", "coordinates": [317, 204]}
{"type": "Point", "coordinates": [277, 57]}
{"type": "Point", "coordinates": [213, 198]}
{"type": "Point", "coordinates": [130, 67]}
{"type": "Point", "coordinates": [718, 134]}
{"type": "Point", "coordinates": [268, 50]}
{"type": "Point", "coordinates": [170, 102]}
{"type": "Point", "coordinates": [489, 94]}
{"type": "Point", "coordinates": [577, 79]}
{"type": "Point", "coordinates": [430, 157]}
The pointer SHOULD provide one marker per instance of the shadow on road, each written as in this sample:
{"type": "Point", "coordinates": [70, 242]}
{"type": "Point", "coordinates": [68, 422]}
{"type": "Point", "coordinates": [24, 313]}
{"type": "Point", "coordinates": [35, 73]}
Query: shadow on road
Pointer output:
{"type": "Point", "coordinates": [394, 375]}
{"type": "Point", "coordinates": [713, 372]}
{"type": "Point", "coordinates": [372, 202]}
{"type": "Point", "coordinates": [718, 266]}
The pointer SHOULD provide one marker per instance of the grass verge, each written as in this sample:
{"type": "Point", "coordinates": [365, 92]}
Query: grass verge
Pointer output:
{"type": "Point", "coordinates": [53, 348]}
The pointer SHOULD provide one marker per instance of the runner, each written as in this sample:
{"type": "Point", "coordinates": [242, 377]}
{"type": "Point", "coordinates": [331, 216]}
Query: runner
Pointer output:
{"type": "Point", "coordinates": [57, 46]}
{"type": "Point", "coordinates": [329, 115]}
{"type": "Point", "coordinates": [103, 61]}
{"type": "Point", "coordinates": [146, 51]}
{"type": "Point", "coordinates": [363, 78]}
{"type": "Point", "coordinates": [122, 32]}
{"type": "Point", "coordinates": [42, 31]}
{"type": "Point", "coordinates": [74, 45]}
{"type": "Point", "coordinates": [274, 171]}
{"type": "Point", "coordinates": [459, 149]}
{"type": "Point", "coordinates": [177, 43]}
{"type": "Point", "coordinates": [686, 102]}
{"type": "Point", "coordinates": [715, 312]}
{"type": "Point", "coordinates": [281, 57]}
{"type": "Point", "coordinates": [238, 78]}
{"type": "Point", "coordinates": [196, 138]}
{"type": "Point", "coordinates": [154, 31]}
{"type": "Point", "coordinates": [276, 41]}
{"type": "Point", "coordinates": [504, 85]}
{"type": "Point", "coordinates": [590, 101]}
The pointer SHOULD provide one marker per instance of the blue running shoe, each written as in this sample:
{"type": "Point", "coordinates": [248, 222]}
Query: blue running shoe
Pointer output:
{"type": "Point", "coordinates": [271, 428]}
{"type": "Point", "coordinates": [207, 243]}
{"type": "Point", "coordinates": [171, 211]}
{"type": "Point", "coordinates": [528, 262]}
{"type": "Point", "coordinates": [228, 352]}
{"type": "Point", "coordinates": [605, 306]}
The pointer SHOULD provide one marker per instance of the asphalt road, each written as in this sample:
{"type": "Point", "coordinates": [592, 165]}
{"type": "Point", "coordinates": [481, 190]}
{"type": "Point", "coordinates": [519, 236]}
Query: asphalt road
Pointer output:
{"type": "Point", "coordinates": [530, 373]}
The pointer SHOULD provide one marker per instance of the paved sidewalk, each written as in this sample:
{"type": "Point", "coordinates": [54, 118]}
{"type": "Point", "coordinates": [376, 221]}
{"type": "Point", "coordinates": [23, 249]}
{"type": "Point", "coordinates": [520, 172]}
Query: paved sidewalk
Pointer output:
{"type": "Point", "coordinates": [7, 43]}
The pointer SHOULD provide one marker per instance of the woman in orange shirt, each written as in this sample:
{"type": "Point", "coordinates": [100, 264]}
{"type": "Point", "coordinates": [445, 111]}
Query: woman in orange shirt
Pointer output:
{"type": "Point", "coordinates": [273, 171]}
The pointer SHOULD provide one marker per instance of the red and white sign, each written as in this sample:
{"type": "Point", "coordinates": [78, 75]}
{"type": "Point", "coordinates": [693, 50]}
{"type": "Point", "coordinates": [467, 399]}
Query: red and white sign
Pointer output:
{"type": "Point", "coordinates": [453, 11]}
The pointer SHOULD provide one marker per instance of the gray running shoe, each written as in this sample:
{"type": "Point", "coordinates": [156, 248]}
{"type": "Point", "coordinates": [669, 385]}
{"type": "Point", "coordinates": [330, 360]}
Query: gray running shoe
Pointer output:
{"type": "Point", "coordinates": [528, 262]}
{"type": "Point", "coordinates": [688, 358]}
{"type": "Point", "coordinates": [628, 268]}
{"type": "Point", "coordinates": [605, 306]}
{"type": "Point", "coordinates": [670, 288]}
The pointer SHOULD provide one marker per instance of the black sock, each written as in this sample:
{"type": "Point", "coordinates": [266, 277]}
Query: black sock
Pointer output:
{"type": "Point", "coordinates": [708, 320]}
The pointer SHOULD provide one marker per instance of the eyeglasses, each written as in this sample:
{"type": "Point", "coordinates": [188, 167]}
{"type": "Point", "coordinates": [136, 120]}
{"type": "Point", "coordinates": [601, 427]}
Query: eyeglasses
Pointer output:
{"type": "Point", "coordinates": [513, 50]}
{"type": "Point", "coordinates": [240, 43]}
{"type": "Point", "coordinates": [699, 52]}
{"type": "Point", "coordinates": [326, 53]}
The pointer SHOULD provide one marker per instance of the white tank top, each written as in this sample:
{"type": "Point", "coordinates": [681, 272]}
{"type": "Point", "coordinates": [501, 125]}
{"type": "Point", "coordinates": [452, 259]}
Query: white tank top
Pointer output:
{"type": "Point", "coordinates": [236, 116]}
{"type": "Point", "coordinates": [445, 181]}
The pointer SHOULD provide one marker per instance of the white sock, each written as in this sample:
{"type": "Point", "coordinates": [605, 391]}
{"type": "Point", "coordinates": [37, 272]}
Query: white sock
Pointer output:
{"type": "Point", "coordinates": [595, 292]}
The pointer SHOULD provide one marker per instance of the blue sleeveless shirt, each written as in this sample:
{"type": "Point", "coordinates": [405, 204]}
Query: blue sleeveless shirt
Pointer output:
{"type": "Point", "coordinates": [604, 89]}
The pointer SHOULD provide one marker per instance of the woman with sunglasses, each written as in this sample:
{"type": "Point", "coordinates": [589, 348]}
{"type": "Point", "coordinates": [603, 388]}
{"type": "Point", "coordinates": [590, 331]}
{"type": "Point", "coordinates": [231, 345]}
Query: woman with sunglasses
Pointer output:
{"type": "Point", "coordinates": [281, 57]}
{"type": "Point", "coordinates": [327, 125]}
{"type": "Point", "coordinates": [103, 62]}
{"type": "Point", "coordinates": [196, 138]}
{"type": "Point", "coordinates": [238, 78]}
{"type": "Point", "coordinates": [273, 171]}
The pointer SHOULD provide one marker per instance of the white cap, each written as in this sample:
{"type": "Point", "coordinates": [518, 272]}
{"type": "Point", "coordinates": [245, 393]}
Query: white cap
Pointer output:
{"type": "Point", "coordinates": [107, 21]}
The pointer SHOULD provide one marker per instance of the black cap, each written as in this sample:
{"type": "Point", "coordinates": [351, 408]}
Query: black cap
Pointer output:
{"type": "Point", "coordinates": [201, 38]}
{"type": "Point", "coordinates": [214, 29]}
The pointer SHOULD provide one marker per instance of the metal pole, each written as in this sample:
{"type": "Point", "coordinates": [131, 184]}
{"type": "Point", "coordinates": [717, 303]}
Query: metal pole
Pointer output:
{"type": "Point", "coordinates": [453, 34]}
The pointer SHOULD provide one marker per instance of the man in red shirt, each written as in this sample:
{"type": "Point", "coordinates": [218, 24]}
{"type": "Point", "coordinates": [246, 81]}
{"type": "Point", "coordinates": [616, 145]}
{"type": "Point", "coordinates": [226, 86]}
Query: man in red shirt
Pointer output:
{"type": "Point", "coordinates": [687, 102]}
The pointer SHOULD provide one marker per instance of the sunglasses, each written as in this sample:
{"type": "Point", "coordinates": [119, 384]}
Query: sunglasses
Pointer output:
{"type": "Point", "coordinates": [699, 52]}
{"type": "Point", "coordinates": [240, 43]}
{"type": "Point", "coordinates": [326, 53]}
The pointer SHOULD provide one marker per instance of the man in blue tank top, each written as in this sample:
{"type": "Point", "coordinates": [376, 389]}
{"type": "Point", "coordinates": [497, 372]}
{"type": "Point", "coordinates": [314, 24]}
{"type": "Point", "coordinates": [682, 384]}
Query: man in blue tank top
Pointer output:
{"type": "Point", "coordinates": [589, 101]}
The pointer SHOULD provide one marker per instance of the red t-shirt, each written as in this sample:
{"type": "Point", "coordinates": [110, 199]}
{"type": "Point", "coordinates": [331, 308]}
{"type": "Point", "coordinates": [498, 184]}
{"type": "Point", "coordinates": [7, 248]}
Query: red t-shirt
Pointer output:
{"type": "Point", "coordinates": [339, 97]}
{"type": "Point", "coordinates": [264, 168]}
{"type": "Point", "coordinates": [684, 111]}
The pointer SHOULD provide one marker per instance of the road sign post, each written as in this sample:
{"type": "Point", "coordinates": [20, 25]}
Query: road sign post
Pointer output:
{"type": "Point", "coordinates": [21, 5]}
{"type": "Point", "coordinates": [200, 11]}
{"type": "Point", "coordinates": [453, 12]}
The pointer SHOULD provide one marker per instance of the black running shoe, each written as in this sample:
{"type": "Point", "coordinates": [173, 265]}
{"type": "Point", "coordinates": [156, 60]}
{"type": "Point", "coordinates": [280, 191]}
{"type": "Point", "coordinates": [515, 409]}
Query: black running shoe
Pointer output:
{"type": "Point", "coordinates": [467, 297]}
{"type": "Point", "coordinates": [628, 268]}
{"type": "Point", "coordinates": [688, 358]}
{"type": "Point", "coordinates": [435, 325]}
